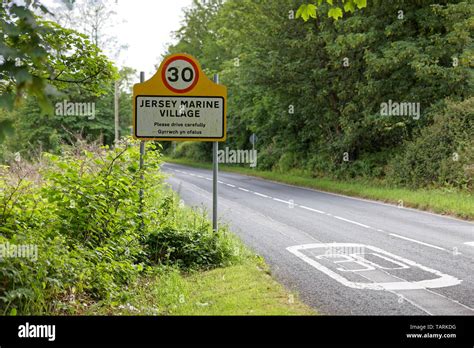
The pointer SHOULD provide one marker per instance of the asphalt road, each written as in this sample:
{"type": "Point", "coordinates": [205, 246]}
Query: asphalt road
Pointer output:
{"type": "Point", "coordinates": [343, 255]}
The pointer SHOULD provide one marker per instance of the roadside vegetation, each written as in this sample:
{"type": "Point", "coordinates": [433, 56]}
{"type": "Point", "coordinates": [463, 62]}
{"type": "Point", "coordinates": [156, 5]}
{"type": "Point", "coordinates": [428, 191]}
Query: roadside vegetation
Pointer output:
{"type": "Point", "coordinates": [313, 90]}
{"type": "Point", "coordinates": [101, 249]}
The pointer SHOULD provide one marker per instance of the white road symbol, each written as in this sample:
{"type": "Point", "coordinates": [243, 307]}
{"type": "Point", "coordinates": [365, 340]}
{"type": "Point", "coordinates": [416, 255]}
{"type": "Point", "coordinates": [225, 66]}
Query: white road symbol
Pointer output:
{"type": "Point", "coordinates": [353, 254]}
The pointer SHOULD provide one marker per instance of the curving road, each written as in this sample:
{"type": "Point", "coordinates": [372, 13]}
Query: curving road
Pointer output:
{"type": "Point", "coordinates": [343, 255]}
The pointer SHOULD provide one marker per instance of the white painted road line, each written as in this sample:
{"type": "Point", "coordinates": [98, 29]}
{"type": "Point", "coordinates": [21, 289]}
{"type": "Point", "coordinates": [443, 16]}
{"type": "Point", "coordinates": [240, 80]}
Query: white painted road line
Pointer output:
{"type": "Point", "coordinates": [280, 200]}
{"type": "Point", "coordinates": [311, 209]}
{"type": "Point", "coordinates": [469, 243]}
{"type": "Point", "coordinates": [417, 241]}
{"type": "Point", "coordinates": [242, 189]}
{"type": "Point", "coordinates": [261, 195]}
{"type": "Point", "coordinates": [351, 222]}
{"type": "Point", "coordinates": [230, 185]}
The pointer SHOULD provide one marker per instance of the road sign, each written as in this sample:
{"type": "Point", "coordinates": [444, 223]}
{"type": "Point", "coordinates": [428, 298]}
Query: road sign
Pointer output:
{"type": "Point", "coordinates": [253, 139]}
{"type": "Point", "coordinates": [179, 103]}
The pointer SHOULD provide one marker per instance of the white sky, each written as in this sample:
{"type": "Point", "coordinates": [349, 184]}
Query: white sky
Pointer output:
{"type": "Point", "coordinates": [146, 26]}
{"type": "Point", "coordinates": [147, 29]}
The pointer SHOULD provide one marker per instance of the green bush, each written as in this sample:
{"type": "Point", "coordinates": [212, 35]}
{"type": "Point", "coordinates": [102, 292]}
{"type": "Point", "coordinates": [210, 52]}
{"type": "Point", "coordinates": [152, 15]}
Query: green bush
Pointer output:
{"type": "Point", "coordinates": [184, 237]}
{"type": "Point", "coordinates": [443, 152]}
{"type": "Point", "coordinates": [191, 248]}
{"type": "Point", "coordinates": [190, 149]}
{"type": "Point", "coordinates": [81, 210]}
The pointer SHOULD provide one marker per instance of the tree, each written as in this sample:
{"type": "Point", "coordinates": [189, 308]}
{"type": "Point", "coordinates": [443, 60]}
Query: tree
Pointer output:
{"type": "Point", "coordinates": [39, 58]}
{"type": "Point", "coordinates": [313, 93]}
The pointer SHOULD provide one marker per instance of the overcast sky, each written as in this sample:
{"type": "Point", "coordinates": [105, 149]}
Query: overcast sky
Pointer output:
{"type": "Point", "coordinates": [147, 29]}
{"type": "Point", "coordinates": [146, 26]}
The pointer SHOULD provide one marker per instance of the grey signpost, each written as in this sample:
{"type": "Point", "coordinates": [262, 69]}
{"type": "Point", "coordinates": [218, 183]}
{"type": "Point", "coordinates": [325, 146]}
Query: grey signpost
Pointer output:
{"type": "Point", "coordinates": [253, 139]}
{"type": "Point", "coordinates": [142, 154]}
{"type": "Point", "coordinates": [215, 172]}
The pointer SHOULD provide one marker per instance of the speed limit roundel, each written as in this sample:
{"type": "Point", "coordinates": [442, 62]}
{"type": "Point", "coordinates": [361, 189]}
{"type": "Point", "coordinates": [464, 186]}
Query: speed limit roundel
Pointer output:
{"type": "Point", "coordinates": [180, 74]}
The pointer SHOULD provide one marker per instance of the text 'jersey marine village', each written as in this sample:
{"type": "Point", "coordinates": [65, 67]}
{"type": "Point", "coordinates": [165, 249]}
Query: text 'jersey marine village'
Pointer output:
{"type": "Point", "coordinates": [183, 108]}
{"type": "Point", "coordinates": [180, 103]}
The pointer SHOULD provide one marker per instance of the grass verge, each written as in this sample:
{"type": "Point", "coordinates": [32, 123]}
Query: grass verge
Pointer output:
{"type": "Point", "coordinates": [243, 289]}
{"type": "Point", "coordinates": [454, 203]}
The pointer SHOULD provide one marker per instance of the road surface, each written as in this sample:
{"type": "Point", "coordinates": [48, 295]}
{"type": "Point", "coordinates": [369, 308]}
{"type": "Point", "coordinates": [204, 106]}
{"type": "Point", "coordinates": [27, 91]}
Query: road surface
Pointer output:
{"type": "Point", "coordinates": [343, 255]}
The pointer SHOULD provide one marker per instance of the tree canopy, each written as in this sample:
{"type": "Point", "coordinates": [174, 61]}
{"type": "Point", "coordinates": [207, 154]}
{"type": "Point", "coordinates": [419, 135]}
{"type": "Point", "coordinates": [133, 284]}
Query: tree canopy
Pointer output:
{"type": "Point", "coordinates": [40, 58]}
{"type": "Point", "coordinates": [312, 91]}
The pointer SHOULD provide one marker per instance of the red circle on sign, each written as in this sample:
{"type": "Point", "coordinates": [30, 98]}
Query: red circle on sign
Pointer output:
{"type": "Point", "coordinates": [163, 74]}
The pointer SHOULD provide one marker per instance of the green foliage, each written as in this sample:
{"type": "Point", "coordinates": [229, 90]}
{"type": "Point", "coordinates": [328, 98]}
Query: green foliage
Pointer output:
{"type": "Point", "coordinates": [335, 11]}
{"type": "Point", "coordinates": [40, 58]}
{"type": "Point", "coordinates": [82, 211]}
{"type": "Point", "coordinates": [191, 247]}
{"type": "Point", "coordinates": [313, 93]}
{"type": "Point", "coordinates": [443, 153]}
{"type": "Point", "coordinates": [41, 131]}
{"type": "Point", "coordinates": [189, 149]}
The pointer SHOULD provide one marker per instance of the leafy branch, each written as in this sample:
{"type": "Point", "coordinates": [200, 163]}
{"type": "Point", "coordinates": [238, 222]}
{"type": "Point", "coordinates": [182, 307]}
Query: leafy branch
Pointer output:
{"type": "Point", "coordinates": [336, 9]}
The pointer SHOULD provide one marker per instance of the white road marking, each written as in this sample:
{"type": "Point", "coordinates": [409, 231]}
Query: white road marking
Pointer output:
{"type": "Point", "coordinates": [220, 182]}
{"type": "Point", "coordinates": [261, 195]}
{"type": "Point", "coordinates": [311, 209]}
{"type": "Point", "coordinates": [417, 241]}
{"type": "Point", "coordinates": [331, 215]}
{"type": "Point", "coordinates": [281, 200]}
{"type": "Point", "coordinates": [443, 280]}
{"type": "Point", "coordinates": [469, 243]}
{"type": "Point", "coordinates": [352, 222]}
{"type": "Point", "coordinates": [393, 205]}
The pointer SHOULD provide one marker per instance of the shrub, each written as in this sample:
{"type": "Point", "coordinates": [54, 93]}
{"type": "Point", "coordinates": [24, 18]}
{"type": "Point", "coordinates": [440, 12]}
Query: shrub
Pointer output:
{"type": "Point", "coordinates": [443, 152]}
{"type": "Point", "coordinates": [191, 248]}
{"type": "Point", "coordinates": [82, 210]}
{"type": "Point", "coordinates": [194, 150]}
{"type": "Point", "coordinates": [184, 237]}
{"type": "Point", "coordinates": [82, 213]}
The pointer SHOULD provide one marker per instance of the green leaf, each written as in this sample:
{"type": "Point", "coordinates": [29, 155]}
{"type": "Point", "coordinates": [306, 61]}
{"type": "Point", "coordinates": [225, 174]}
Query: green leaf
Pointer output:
{"type": "Point", "coordinates": [349, 6]}
{"type": "Point", "coordinates": [361, 3]}
{"type": "Point", "coordinates": [306, 11]}
{"type": "Point", "coordinates": [335, 13]}
{"type": "Point", "coordinates": [312, 10]}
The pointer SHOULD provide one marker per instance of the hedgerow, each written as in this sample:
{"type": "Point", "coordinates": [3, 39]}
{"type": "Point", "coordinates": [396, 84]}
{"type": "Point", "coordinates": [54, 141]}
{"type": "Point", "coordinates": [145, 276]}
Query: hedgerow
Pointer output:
{"type": "Point", "coordinates": [93, 233]}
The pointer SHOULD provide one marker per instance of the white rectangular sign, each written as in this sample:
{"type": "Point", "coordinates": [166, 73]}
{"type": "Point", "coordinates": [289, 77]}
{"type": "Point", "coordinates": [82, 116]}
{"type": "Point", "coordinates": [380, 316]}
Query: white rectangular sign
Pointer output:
{"type": "Point", "coordinates": [179, 117]}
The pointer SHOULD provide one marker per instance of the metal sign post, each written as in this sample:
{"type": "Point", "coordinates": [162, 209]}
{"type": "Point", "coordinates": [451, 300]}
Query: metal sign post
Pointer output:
{"type": "Point", "coordinates": [142, 154]}
{"type": "Point", "coordinates": [253, 139]}
{"type": "Point", "coordinates": [215, 172]}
